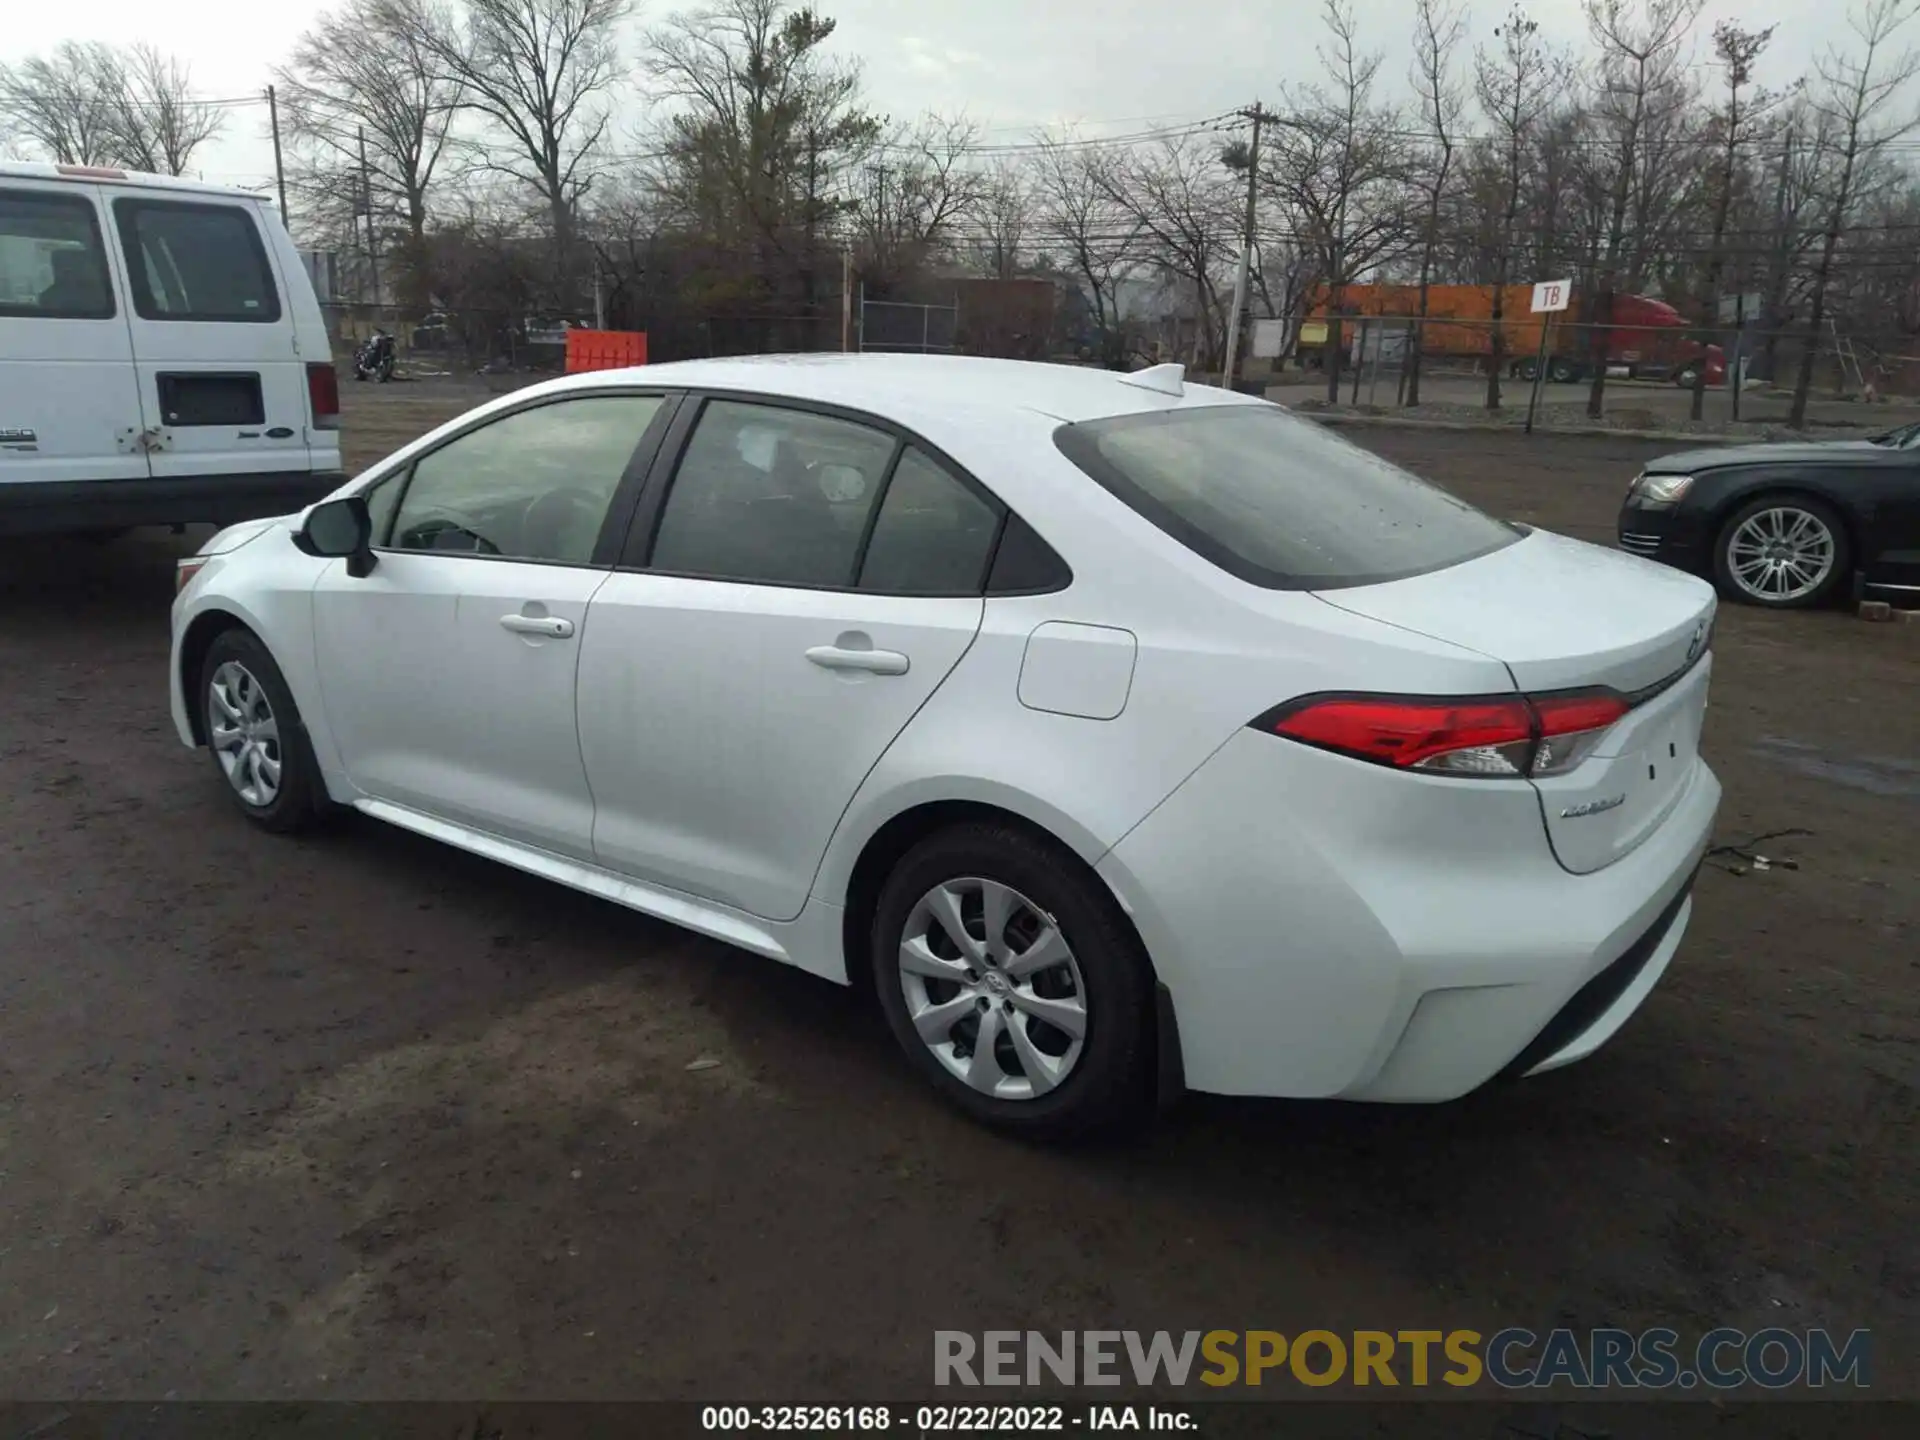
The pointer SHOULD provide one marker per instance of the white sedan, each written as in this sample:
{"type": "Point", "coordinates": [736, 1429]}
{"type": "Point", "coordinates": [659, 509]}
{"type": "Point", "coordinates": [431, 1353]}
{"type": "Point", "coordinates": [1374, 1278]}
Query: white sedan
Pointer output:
{"type": "Point", "coordinates": [1125, 734]}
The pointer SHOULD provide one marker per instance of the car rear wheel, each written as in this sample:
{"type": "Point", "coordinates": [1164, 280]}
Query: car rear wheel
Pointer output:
{"type": "Point", "coordinates": [1786, 552]}
{"type": "Point", "coordinates": [1560, 371]}
{"type": "Point", "coordinates": [1013, 983]}
{"type": "Point", "coordinates": [254, 735]}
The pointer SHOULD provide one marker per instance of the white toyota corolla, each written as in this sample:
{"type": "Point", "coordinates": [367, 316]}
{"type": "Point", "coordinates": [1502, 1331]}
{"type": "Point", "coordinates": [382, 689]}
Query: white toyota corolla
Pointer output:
{"type": "Point", "coordinates": [1127, 734]}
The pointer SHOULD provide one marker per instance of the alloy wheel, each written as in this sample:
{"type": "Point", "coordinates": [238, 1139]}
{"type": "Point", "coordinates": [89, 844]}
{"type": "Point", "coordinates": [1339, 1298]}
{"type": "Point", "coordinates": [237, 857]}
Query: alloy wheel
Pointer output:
{"type": "Point", "coordinates": [244, 733]}
{"type": "Point", "coordinates": [1780, 554]}
{"type": "Point", "coordinates": [993, 989]}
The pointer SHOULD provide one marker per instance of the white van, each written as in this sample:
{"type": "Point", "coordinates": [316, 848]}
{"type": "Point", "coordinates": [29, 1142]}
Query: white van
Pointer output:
{"type": "Point", "coordinates": [162, 357]}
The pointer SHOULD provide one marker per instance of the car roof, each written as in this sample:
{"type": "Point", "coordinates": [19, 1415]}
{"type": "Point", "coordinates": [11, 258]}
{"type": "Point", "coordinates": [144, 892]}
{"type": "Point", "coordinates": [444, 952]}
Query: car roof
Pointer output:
{"type": "Point", "coordinates": [907, 385]}
{"type": "Point", "coordinates": [116, 175]}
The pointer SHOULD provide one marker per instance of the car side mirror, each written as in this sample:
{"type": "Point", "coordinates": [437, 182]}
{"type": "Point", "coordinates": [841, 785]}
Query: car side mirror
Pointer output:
{"type": "Point", "coordinates": [340, 528]}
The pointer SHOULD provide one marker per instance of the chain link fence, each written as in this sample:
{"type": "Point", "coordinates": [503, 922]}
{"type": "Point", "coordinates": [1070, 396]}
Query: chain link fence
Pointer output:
{"type": "Point", "coordinates": [1453, 368]}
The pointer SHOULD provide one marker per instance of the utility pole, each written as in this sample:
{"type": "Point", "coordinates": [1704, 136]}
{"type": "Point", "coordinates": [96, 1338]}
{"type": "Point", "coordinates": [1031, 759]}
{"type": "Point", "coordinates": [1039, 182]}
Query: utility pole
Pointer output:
{"type": "Point", "coordinates": [279, 169]}
{"type": "Point", "coordinates": [1777, 281]}
{"type": "Point", "coordinates": [879, 173]}
{"type": "Point", "coordinates": [1240, 275]}
{"type": "Point", "coordinates": [366, 201]}
{"type": "Point", "coordinates": [846, 297]}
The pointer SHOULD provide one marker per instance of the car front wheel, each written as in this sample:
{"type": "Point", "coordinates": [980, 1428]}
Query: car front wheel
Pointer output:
{"type": "Point", "coordinates": [254, 734]}
{"type": "Point", "coordinates": [1784, 552]}
{"type": "Point", "coordinates": [1014, 984]}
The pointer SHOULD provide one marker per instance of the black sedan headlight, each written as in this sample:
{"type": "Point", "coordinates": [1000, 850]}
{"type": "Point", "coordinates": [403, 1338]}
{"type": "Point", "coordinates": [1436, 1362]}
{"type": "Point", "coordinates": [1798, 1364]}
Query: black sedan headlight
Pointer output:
{"type": "Point", "coordinates": [1658, 492]}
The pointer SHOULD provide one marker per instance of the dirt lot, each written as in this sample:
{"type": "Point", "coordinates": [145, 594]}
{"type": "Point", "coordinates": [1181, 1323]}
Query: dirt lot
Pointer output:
{"type": "Point", "coordinates": [360, 1116]}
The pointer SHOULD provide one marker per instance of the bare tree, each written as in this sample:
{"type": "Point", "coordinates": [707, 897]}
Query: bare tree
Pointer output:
{"type": "Point", "coordinates": [1514, 83]}
{"type": "Point", "coordinates": [921, 189]}
{"type": "Point", "coordinates": [1438, 28]}
{"type": "Point", "coordinates": [1737, 50]}
{"type": "Point", "coordinates": [155, 122]}
{"type": "Point", "coordinates": [89, 103]}
{"type": "Point", "coordinates": [363, 89]}
{"type": "Point", "coordinates": [1639, 67]}
{"type": "Point", "coordinates": [1859, 97]}
{"type": "Point", "coordinates": [537, 71]}
{"type": "Point", "coordinates": [1179, 203]}
{"type": "Point", "coordinates": [1336, 164]}
{"type": "Point", "coordinates": [1097, 240]}
{"type": "Point", "coordinates": [55, 102]}
{"type": "Point", "coordinates": [1003, 218]}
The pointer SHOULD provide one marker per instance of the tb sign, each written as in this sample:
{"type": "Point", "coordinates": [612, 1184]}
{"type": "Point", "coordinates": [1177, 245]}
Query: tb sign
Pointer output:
{"type": "Point", "coordinates": [1552, 295]}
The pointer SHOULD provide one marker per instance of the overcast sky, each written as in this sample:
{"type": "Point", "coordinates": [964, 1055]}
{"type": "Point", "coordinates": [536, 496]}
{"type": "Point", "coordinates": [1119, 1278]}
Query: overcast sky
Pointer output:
{"type": "Point", "coordinates": [1111, 66]}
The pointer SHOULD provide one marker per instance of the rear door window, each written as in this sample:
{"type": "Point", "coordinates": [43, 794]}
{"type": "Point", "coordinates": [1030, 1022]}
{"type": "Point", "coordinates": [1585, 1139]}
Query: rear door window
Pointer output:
{"type": "Point", "coordinates": [1278, 501]}
{"type": "Point", "coordinates": [52, 264]}
{"type": "Point", "coordinates": [190, 261]}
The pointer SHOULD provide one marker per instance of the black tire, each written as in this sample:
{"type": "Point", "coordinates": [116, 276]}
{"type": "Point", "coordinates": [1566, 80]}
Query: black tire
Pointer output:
{"type": "Point", "coordinates": [1527, 369]}
{"type": "Point", "coordinates": [1109, 1087]}
{"type": "Point", "coordinates": [300, 798]}
{"type": "Point", "coordinates": [1730, 585]}
{"type": "Point", "coordinates": [1684, 376]}
{"type": "Point", "coordinates": [1561, 372]}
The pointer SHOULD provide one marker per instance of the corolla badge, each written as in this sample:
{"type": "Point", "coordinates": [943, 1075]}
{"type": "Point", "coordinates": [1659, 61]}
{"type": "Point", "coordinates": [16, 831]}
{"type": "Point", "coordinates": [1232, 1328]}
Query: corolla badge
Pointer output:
{"type": "Point", "coordinates": [1594, 807]}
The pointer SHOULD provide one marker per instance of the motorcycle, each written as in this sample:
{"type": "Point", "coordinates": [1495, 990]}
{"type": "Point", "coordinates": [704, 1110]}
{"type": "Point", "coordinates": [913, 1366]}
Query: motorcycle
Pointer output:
{"type": "Point", "coordinates": [373, 358]}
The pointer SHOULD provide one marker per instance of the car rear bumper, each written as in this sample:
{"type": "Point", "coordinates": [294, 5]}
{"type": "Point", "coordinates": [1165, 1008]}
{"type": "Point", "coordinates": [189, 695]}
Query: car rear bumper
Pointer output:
{"type": "Point", "coordinates": [1332, 929]}
{"type": "Point", "coordinates": [1673, 537]}
{"type": "Point", "coordinates": [31, 509]}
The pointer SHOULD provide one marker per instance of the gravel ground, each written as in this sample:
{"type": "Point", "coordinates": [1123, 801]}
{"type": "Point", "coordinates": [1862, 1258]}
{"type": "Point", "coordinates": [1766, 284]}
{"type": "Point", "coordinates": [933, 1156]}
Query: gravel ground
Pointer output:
{"type": "Point", "coordinates": [359, 1116]}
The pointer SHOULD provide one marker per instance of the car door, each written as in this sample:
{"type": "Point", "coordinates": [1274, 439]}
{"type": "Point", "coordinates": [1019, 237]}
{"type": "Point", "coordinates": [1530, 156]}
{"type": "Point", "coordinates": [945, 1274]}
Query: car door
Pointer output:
{"type": "Point", "coordinates": [447, 673]}
{"type": "Point", "coordinates": [220, 375]}
{"type": "Point", "coordinates": [69, 403]}
{"type": "Point", "coordinates": [787, 603]}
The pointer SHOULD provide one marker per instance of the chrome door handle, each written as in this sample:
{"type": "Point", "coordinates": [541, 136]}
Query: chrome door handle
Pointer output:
{"type": "Point", "coordinates": [553, 626]}
{"type": "Point", "coordinates": [874, 662]}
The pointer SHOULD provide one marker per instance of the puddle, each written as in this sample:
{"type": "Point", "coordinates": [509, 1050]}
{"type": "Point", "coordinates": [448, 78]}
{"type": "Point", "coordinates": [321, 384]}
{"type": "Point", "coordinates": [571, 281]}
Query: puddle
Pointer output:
{"type": "Point", "coordinates": [1887, 775]}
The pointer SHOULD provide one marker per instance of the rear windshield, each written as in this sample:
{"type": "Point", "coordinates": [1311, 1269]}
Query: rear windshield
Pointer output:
{"type": "Point", "coordinates": [1279, 501]}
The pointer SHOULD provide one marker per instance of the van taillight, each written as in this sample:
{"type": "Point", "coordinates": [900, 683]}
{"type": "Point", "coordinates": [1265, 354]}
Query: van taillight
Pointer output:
{"type": "Point", "coordinates": [1491, 737]}
{"type": "Point", "coordinates": [323, 393]}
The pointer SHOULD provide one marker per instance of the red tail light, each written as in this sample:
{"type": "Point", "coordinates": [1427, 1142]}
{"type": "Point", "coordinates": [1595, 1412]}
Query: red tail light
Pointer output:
{"type": "Point", "coordinates": [1490, 736]}
{"type": "Point", "coordinates": [323, 394]}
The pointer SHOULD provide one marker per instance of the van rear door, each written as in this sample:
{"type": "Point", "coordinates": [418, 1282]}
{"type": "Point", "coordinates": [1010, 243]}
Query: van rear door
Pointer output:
{"type": "Point", "coordinates": [213, 338]}
{"type": "Point", "coordinates": [69, 403]}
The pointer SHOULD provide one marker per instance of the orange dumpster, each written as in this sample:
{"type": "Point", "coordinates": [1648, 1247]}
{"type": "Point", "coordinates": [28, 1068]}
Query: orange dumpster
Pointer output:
{"type": "Point", "coordinates": [605, 349]}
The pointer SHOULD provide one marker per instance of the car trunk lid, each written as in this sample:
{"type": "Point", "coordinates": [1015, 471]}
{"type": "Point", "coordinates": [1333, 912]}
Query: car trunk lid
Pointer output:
{"type": "Point", "coordinates": [1564, 615]}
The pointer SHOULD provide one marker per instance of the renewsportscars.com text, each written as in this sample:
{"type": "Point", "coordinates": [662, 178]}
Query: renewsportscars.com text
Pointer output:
{"type": "Point", "coordinates": [1512, 1359]}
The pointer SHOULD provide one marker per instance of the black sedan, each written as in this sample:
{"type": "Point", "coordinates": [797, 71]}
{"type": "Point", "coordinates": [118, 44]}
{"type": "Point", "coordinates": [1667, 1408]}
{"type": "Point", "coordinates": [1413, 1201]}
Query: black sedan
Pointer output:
{"type": "Point", "coordinates": [1786, 526]}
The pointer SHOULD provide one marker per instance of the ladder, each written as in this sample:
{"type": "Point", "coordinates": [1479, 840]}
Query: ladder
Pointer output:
{"type": "Point", "coordinates": [1849, 357]}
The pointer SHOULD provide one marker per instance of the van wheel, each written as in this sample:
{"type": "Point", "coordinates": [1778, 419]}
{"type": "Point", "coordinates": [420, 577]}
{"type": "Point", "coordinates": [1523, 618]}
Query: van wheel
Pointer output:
{"type": "Point", "coordinates": [1014, 985]}
{"type": "Point", "coordinates": [254, 735]}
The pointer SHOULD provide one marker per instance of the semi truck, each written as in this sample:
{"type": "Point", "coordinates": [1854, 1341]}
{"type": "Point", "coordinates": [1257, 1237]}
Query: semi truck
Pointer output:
{"type": "Point", "coordinates": [1647, 339]}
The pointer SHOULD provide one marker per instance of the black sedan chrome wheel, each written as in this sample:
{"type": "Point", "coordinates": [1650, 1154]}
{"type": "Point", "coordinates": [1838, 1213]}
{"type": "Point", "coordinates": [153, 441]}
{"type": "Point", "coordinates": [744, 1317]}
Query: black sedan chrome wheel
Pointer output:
{"type": "Point", "coordinates": [1783, 552]}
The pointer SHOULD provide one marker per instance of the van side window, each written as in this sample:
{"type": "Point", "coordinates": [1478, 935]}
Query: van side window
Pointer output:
{"type": "Point", "coordinates": [192, 261]}
{"type": "Point", "coordinates": [52, 263]}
